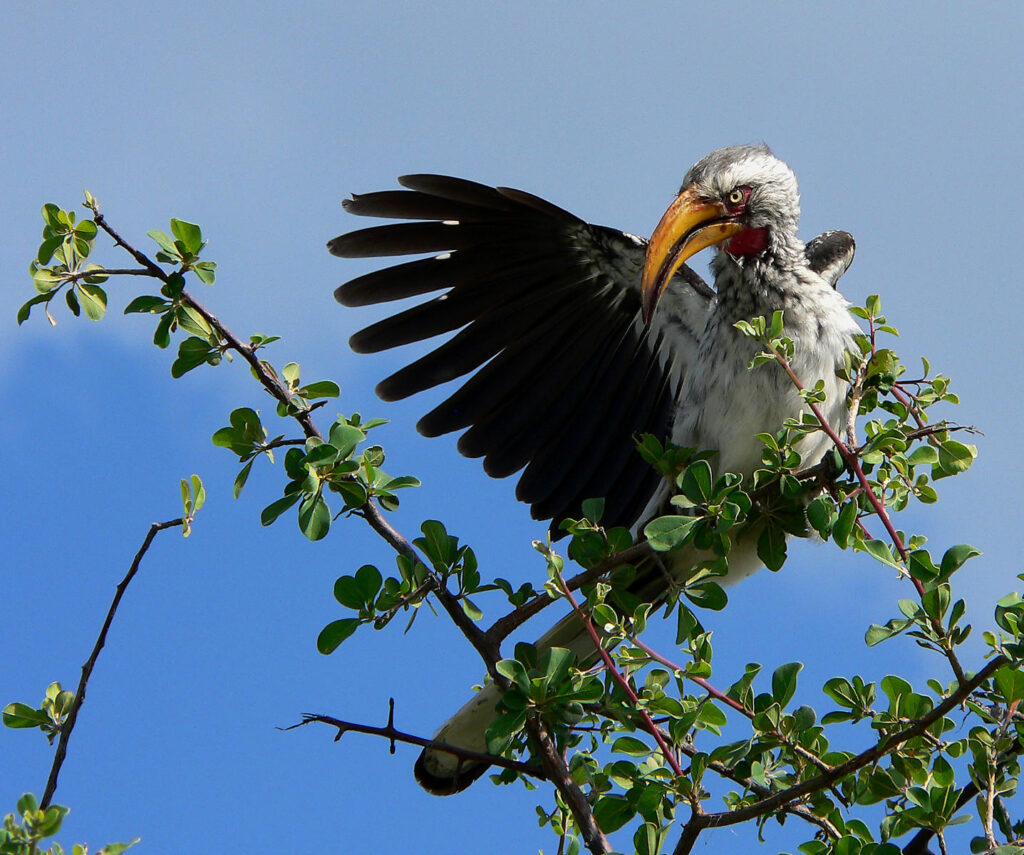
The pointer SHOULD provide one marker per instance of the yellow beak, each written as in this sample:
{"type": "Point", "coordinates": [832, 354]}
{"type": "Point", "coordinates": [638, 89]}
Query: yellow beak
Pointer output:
{"type": "Point", "coordinates": [689, 225]}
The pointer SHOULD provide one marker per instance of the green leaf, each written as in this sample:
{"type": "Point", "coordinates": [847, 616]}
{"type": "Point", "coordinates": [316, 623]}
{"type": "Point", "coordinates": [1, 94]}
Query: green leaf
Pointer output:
{"type": "Point", "coordinates": [771, 546]}
{"type": "Point", "coordinates": [669, 532]}
{"type": "Point", "coordinates": [954, 558]}
{"type": "Point", "coordinates": [1010, 683]}
{"type": "Point", "coordinates": [334, 633]}
{"type": "Point", "coordinates": [696, 482]}
{"type": "Point", "coordinates": [322, 455]}
{"type": "Point", "coordinates": [877, 634]}
{"type": "Point", "coordinates": [162, 335]}
{"type": "Point", "coordinates": [400, 483]}
{"type": "Point", "coordinates": [47, 248]}
{"type": "Point", "coordinates": [471, 609]}
{"type": "Point", "coordinates": [707, 595]}
{"type": "Point", "coordinates": [345, 438]}
{"type": "Point", "coordinates": [93, 300]}
{"type": "Point", "coordinates": [272, 511]}
{"type": "Point", "coordinates": [193, 352]}
{"type": "Point", "coordinates": [118, 848]}
{"type": "Point", "coordinates": [205, 271]}
{"type": "Point", "coordinates": [314, 517]}
{"type": "Point", "coordinates": [819, 515]}
{"type": "Point", "coordinates": [612, 812]}
{"type": "Point", "coordinates": [241, 478]}
{"type": "Point", "coordinates": [554, 665]}
{"type": "Point", "coordinates": [844, 525]}
{"type": "Point", "coordinates": [593, 510]}
{"type": "Point", "coordinates": [26, 307]}
{"type": "Point", "coordinates": [189, 234]}
{"type": "Point", "coordinates": [514, 671]}
{"type": "Point", "coordinates": [954, 457]}
{"type": "Point", "coordinates": [321, 389]}
{"type": "Point", "coordinates": [22, 715]}
{"type": "Point", "coordinates": [146, 303]}
{"type": "Point", "coordinates": [784, 682]}
{"type": "Point", "coordinates": [164, 241]}
{"type": "Point", "coordinates": [880, 551]}
{"type": "Point", "coordinates": [632, 746]}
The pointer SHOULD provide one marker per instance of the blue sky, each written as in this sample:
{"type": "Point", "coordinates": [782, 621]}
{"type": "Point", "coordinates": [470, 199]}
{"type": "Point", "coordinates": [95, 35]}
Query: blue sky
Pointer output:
{"type": "Point", "coordinates": [902, 122]}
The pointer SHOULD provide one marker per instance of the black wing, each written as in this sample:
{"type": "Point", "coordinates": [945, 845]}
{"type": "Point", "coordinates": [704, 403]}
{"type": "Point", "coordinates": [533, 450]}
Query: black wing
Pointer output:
{"type": "Point", "coordinates": [549, 306]}
{"type": "Point", "coordinates": [830, 255]}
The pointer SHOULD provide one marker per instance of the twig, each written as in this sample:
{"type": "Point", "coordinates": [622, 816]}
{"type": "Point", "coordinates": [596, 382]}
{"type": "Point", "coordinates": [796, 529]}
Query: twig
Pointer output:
{"type": "Point", "coordinates": [393, 735]}
{"type": "Point", "coordinates": [719, 695]}
{"type": "Point", "coordinates": [851, 459]}
{"type": "Point", "coordinates": [74, 276]}
{"type": "Point", "coordinates": [501, 628]}
{"type": "Point", "coordinates": [90, 663]}
{"type": "Point", "coordinates": [645, 716]}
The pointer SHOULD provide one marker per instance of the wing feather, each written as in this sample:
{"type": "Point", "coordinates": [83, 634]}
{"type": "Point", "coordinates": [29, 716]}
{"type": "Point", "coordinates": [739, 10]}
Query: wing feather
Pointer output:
{"type": "Point", "coordinates": [546, 309]}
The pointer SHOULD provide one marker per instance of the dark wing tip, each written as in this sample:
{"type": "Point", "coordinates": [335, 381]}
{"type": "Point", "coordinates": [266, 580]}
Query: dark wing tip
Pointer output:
{"type": "Point", "coordinates": [436, 785]}
{"type": "Point", "coordinates": [830, 254]}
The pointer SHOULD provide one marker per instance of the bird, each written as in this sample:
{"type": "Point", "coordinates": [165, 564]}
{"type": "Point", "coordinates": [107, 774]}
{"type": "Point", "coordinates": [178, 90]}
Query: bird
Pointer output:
{"type": "Point", "coordinates": [583, 337]}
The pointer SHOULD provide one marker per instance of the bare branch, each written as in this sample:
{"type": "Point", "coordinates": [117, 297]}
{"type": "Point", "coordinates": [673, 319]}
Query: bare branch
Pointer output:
{"type": "Point", "coordinates": [393, 735]}
{"type": "Point", "coordinates": [90, 663]}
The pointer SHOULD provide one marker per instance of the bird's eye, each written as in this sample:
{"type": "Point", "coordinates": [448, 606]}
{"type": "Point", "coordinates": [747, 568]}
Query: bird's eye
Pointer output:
{"type": "Point", "coordinates": [736, 197]}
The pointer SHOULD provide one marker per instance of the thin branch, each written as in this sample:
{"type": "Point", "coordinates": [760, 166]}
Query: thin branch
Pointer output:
{"type": "Point", "coordinates": [645, 716]}
{"type": "Point", "coordinates": [90, 663]}
{"type": "Point", "coordinates": [107, 271]}
{"type": "Point", "coordinates": [393, 735]}
{"type": "Point", "coordinates": [507, 624]}
{"type": "Point", "coordinates": [853, 462]}
{"type": "Point", "coordinates": [719, 695]}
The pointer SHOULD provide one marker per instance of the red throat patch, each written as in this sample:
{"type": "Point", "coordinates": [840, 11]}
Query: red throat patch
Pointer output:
{"type": "Point", "coordinates": [748, 242]}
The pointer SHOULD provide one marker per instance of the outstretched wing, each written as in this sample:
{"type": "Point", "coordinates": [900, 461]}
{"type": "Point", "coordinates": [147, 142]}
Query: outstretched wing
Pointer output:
{"type": "Point", "coordinates": [548, 312]}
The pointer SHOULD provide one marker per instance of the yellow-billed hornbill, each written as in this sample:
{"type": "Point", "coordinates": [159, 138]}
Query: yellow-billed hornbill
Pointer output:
{"type": "Point", "coordinates": [588, 336]}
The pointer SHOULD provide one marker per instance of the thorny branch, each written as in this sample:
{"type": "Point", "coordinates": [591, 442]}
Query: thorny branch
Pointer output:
{"type": "Point", "coordinates": [393, 735]}
{"type": "Point", "coordinates": [609, 665]}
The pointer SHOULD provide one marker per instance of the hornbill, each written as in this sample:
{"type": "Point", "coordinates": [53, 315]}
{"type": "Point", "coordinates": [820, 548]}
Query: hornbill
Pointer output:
{"type": "Point", "coordinates": [585, 337]}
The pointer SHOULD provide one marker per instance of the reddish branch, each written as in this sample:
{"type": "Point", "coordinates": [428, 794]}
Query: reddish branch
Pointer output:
{"type": "Point", "coordinates": [649, 725]}
{"type": "Point", "coordinates": [853, 462]}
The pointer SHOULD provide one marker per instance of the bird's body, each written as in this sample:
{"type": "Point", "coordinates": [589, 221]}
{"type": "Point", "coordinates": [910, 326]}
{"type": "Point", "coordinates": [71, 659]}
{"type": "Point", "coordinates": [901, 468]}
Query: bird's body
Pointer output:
{"type": "Point", "coordinates": [577, 362]}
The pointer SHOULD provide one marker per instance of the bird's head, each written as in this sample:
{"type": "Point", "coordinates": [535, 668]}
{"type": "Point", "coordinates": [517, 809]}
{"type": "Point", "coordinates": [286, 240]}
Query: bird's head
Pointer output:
{"type": "Point", "coordinates": [742, 199]}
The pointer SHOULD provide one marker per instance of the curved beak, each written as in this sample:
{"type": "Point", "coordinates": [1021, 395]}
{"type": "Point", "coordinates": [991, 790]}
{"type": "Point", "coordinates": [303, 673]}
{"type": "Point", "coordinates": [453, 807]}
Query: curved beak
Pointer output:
{"type": "Point", "coordinates": [689, 225]}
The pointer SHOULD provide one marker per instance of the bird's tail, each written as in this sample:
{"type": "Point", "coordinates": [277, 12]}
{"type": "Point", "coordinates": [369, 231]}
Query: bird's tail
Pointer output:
{"type": "Point", "coordinates": [443, 773]}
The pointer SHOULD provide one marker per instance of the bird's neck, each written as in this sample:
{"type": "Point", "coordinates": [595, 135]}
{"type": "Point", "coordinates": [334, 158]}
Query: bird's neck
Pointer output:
{"type": "Point", "coordinates": [759, 284]}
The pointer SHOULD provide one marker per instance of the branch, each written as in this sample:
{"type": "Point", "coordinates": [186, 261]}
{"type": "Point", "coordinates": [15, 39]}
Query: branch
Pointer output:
{"type": "Point", "coordinates": [90, 663]}
{"type": "Point", "coordinates": [645, 716]}
{"type": "Point", "coordinates": [865, 758]}
{"type": "Point", "coordinates": [393, 735]}
{"type": "Point", "coordinates": [74, 276]}
{"type": "Point", "coordinates": [486, 647]}
{"type": "Point", "coordinates": [507, 624]}
{"type": "Point", "coordinates": [853, 462]}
